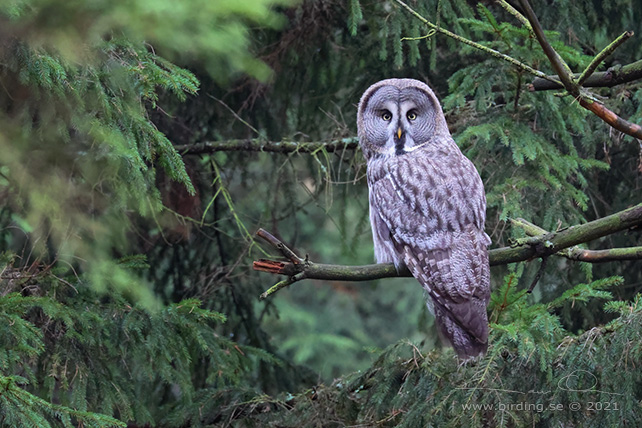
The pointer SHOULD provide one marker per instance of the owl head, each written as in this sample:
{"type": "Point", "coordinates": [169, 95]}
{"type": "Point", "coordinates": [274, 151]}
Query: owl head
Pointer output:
{"type": "Point", "coordinates": [397, 116]}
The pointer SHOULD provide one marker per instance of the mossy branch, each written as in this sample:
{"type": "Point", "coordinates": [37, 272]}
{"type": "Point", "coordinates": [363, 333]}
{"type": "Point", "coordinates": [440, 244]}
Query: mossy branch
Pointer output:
{"type": "Point", "coordinates": [479, 46]}
{"type": "Point", "coordinates": [573, 88]}
{"type": "Point", "coordinates": [581, 254]}
{"type": "Point", "coordinates": [564, 73]}
{"type": "Point", "coordinates": [602, 56]}
{"type": "Point", "coordinates": [510, 9]}
{"type": "Point", "coordinates": [540, 246]}
{"type": "Point", "coordinates": [260, 145]}
{"type": "Point", "coordinates": [614, 76]}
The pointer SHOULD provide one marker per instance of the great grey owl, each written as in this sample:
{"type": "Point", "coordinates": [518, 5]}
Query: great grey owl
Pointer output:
{"type": "Point", "coordinates": [427, 207]}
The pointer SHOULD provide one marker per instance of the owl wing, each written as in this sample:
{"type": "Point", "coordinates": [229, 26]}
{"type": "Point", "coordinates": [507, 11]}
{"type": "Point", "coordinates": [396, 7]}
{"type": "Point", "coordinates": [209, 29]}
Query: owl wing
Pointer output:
{"type": "Point", "coordinates": [433, 205]}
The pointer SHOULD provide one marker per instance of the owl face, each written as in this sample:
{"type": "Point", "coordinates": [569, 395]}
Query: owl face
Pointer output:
{"type": "Point", "coordinates": [397, 116]}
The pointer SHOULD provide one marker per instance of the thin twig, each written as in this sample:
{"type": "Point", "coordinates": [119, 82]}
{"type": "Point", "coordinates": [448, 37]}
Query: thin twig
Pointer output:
{"type": "Point", "coordinates": [510, 9]}
{"type": "Point", "coordinates": [481, 47]}
{"type": "Point", "coordinates": [602, 55]}
{"type": "Point", "coordinates": [540, 271]}
{"type": "Point", "coordinates": [260, 145]}
{"type": "Point", "coordinates": [559, 65]}
{"type": "Point", "coordinates": [276, 243]}
{"type": "Point", "coordinates": [282, 284]}
{"type": "Point", "coordinates": [235, 114]}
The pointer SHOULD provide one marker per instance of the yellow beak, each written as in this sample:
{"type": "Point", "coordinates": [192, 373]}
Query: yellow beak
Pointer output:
{"type": "Point", "coordinates": [399, 133]}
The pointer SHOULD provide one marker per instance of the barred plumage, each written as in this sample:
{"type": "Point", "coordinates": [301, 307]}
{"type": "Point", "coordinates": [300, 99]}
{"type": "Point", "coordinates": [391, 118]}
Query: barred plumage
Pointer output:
{"type": "Point", "coordinates": [427, 207]}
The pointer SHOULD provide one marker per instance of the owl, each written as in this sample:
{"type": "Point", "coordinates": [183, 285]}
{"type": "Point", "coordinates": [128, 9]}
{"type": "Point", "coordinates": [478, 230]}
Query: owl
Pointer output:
{"type": "Point", "coordinates": [427, 207]}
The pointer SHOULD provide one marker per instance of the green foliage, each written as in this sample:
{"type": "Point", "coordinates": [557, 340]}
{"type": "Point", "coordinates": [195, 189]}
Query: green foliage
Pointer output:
{"type": "Point", "coordinates": [623, 308]}
{"type": "Point", "coordinates": [355, 16]}
{"type": "Point", "coordinates": [80, 172]}
{"type": "Point", "coordinates": [215, 33]}
{"type": "Point", "coordinates": [100, 157]}
{"type": "Point", "coordinates": [83, 351]}
{"type": "Point", "coordinates": [22, 409]}
{"type": "Point", "coordinates": [535, 372]}
{"type": "Point", "coordinates": [79, 81]}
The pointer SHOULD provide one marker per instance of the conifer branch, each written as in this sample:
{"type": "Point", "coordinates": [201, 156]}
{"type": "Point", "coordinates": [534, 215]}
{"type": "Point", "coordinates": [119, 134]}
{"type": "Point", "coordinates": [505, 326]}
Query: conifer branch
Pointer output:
{"type": "Point", "coordinates": [614, 76]}
{"type": "Point", "coordinates": [559, 65]}
{"type": "Point", "coordinates": [581, 254]}
{"type": "Point", "coordinates": [275, 242]}
{"type": "Point", "coordinates": [479, 46]}
{"type": "Point", "coordinates": [260, 145]}
{"type": "Point", "coordinates": [566, 77]}
{"type": "Point", "coordinates": [510, 9]}
{"type": "Point", "coordinates": [540, 246]}
{"type": "Point", "coordinates": [602, 56]}
{"type": "Point", "coordinates": [608, 116]}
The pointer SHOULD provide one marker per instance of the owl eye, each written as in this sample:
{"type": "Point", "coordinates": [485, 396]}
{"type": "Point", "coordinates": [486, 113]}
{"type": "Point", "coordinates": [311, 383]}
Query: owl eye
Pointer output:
{"type": "Point", "coordinates": [386, 115]}
{"type": "Point", "coordinates": [411, 115]}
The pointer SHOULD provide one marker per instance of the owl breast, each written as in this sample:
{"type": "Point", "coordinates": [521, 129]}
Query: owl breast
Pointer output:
{"type": "Point", "coordinates": [428, 197]}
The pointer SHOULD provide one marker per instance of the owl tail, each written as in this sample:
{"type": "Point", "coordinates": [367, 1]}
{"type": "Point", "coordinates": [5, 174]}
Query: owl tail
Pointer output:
{"type": "Point", "coordinates": [466, 344]}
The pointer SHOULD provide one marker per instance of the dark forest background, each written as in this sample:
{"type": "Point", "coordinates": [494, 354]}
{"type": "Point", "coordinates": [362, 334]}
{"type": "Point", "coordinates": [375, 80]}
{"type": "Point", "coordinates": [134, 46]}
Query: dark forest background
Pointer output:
{"type": "Point", "coordinates": [143, 143]}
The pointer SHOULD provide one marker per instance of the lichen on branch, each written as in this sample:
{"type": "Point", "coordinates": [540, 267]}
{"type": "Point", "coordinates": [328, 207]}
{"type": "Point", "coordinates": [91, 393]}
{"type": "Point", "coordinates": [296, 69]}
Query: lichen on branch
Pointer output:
{"type": "Point", "coordinates": [541, 244]}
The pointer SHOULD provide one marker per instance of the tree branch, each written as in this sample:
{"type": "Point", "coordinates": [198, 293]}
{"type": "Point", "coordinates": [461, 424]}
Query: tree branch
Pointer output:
{"type": "Point", "coordinates": [602, 56]}
{"type": "Point", "coordinates": [622, 125]}
{"type": "Point", "coordinates": [540, 246]}
{"type": "Point", "coordinates": [605, 79]}
{"type": "Point", "coordinates": [610, 255]}
{"type": "Point", "coordinates": [566, 77]}
{"type": "Point", "coordinates": [259, 145]}
{"type": "Point", "coordinates": [581, 254]}
{"type": "Point", "coordinates": [479, 46]}
{"type": "Point", "coordinates": [510, 9]}
{"type": "Point", "coordinates": [559, 65]}
{"type": "Point", "coordinates": [302, 269]}
{"type": "Point", "coordinates": [612, 77]}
